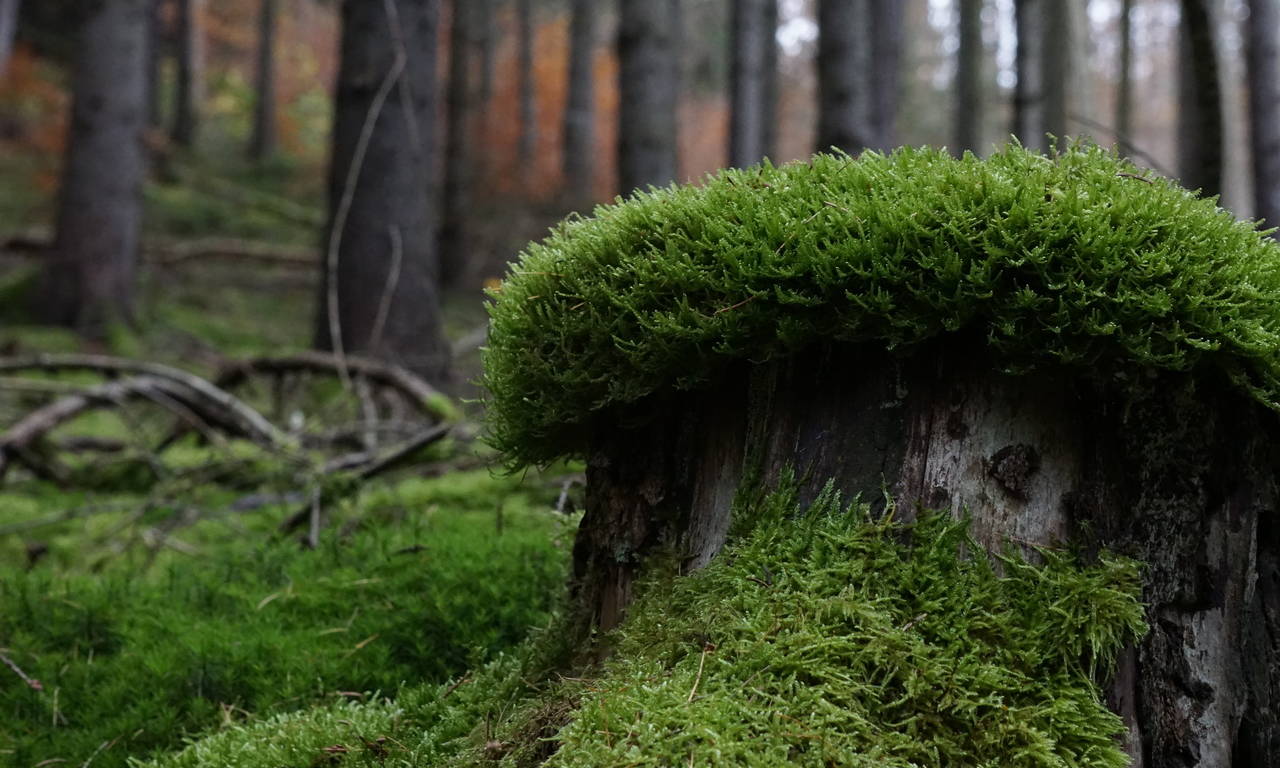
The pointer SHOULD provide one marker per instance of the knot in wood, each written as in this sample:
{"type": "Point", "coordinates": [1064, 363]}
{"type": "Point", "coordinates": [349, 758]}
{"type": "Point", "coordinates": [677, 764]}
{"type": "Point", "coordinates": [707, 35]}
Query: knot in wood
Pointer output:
{"type": "Point", "coordinates": [1012, 467]}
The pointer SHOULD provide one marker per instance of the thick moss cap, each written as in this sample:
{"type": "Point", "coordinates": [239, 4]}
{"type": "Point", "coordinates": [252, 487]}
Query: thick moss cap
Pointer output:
{"type": "Point", "coordinates": [1079, 259]}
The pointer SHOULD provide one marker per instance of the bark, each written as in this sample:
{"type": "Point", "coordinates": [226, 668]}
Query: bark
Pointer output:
{"type": "Point", "coordinates": [843, 59]}
{"type": "Point", "coordinates": [1262, 49]}
{"type": "Point", "coordinates": [88, 280]}
{"type": "Point", "coordinates": [1124, 88]}
{"type": "Point", "coordinates": [379, 288]}
{"type": "Point", "coordinates": [8, 31]}
{"type": "Point", "coordinates": [1199, 102]}
{"type": "Point", "coordinates": [1057, 66]}
{"type": "Point", "coordinates": [189, 83]}
{"type": "Point", "coordinates": [528, 98]}
{"type": "Point", "coordinates": [262, 144]}
{"type": "Point", "coordinates": [968, 107]}
{"type": "Point", "coordinates": [886, 70]}
{"type": "Point", "coordinates": [580, 105]}
{"type": "Point", "coordinates": [1181, 476]}
{"type": "Point", "coordinates": [457, 159]}
{"type": "Point", "coordinates": [1028, 94]}
{"type": "Point", "coordinates": [648, 73]}
{"type": "Point", "coordinates": [747, 118]}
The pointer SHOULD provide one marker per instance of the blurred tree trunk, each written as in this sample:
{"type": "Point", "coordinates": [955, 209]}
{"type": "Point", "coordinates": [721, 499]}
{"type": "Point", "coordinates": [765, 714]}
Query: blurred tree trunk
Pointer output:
{"type": "Point", "coordinates": [1262, 48]}
{"type": "Point", "coordinates": [844, 58]}
{"type": "Point", "coordinates": [1028, 94]}
{"type": "Point", "coordinates": [580, 105]}
{"type": "Point", "coordinates": [263, 142]}
{"type": "Point", "coordinates": [1057, 47]}
{"type": "Point", "coordinates": [8, 30]}
{"type": "Point", "coordinates": [379, 293]}
{"type": "Point", "coordinates": [747, 82]}
{"type": "Point", "coordinates": [1124, 90]}
{"type": "Point", "coordinates": [1199, 101]}
{"type": "Point", "coordinates": [457, 159]}
{"type": "Point", "coordinates": [487, 44]}
{"type": "Point", "coordinates": [189, 84]}
{"type": "Point", "coordinates": [155, 58]}
{"type": "Point", "coordinates": [968, 106]}
{"type": "Point", "coordinates": [528, 98]}
{"type": "Point", "coordinates": [648, 74]}
{"type": "Point", "coordinates": [772, 79]}
{"type": "Point", "coordinates": [886, 70]}
{"type": "Point", "coordinates": [88, 280]}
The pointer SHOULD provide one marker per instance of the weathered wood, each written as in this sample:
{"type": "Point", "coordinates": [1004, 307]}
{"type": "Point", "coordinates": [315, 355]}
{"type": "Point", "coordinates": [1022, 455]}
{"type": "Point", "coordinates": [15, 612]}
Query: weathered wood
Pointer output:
{"type": "Point", "coordinates": [1181, 475]}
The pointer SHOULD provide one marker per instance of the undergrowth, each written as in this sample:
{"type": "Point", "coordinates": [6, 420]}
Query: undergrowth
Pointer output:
{"type": "Point", "coordinates": [1078, 259]}
{"type": "Point", "coordinates": [818, 638]}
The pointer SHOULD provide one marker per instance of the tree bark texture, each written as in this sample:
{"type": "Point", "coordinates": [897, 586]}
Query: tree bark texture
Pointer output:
{"type": "Point", "coordinates": [262, 144]}
{"type": "Point", "coordinates": [968, 106]}
{"type": "Point", "coordinates": [648, 72]}
{"type": "Point", "coordinates": [747, 82]}
{"type": "Point", "coordinates": [456, 194]}
{"type": "Point", "coordinates": [1182, 477]}
{"type": "Point", "coordinates": [8, 31]}
{"type": "Point", "coordinates": [1262, 49]}
{"type": "Point", "coordinates": [886, 70]}
{"type": "Point", "coordinates": [1028, 93]}
{"type": "Point", "coordinates": [88, 280]}
{"type": "Point", "coordinates": [1200, 131]}
{"type": "Point", "coordinates": [844, 57]}
{"type": "Point", "coordinates": [1057, 46]}
{"type": "Point", "coordinates": [528, 98]}
{"type": "Point", "coordinates": [189, 83]}
{"type": "Point", "coordinates": [580, 105]}
{"type": "Point", "coordinates": [380, 252]}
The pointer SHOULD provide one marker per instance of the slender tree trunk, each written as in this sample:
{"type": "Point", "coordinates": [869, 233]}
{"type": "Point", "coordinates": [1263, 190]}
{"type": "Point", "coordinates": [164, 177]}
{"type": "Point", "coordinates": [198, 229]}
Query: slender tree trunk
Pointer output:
{"type": "Point", "coordinates": [1028, 94]}
{"type": "Point", "coordinates": [263, 142]}
{"type": "Point", "coordinates": [648, 72]}
{"type": "Point", "coordinates": [454, 237]}
{"type": "Point", "coordinates": [379, 294]}
{"type": "Point", "coordinates": [580, 105]}
{"type": "Point", "coordinates": [8, 31]}
{"type": "Point", "coordinates": [1199, 101]}
{"type": "Point", "coordinates": [528, 97]}
{"type": "Point", "coordinates": [844, 57]}
{"type": "Point", "coordinates": [1183, 477]}
{"type": "Point", "coordinates": [189, 84]}
{"type": "Point", "coordinates": [1262, 48]}
{"type": "Point", "coordinates": [747, 83]}
{"type": "Point", "coordinates": [886, 70]}
{"type": "Point", "coordinates": [155, 59]}
{"type": "Point", "coordinates": [88, 281]}
{"type": "Point", "coordinates": [772, 79]}
{"type": "Point", "coordinates": [1057, 47]}
{"type": "Point", "coordinates": [968, 106]}
{"type": "Point", "coordinates": [1124, 89]}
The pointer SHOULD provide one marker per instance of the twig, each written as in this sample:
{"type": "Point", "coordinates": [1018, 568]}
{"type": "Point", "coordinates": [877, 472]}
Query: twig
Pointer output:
{"type": "Point", "coordinates": [31, 682]}
{"type": "Point", "coordinates": [706, 648]}
{"type": "Point", "coordinates": [1124, 141]}
{"type": "Point", "coordinates": [388, 290]}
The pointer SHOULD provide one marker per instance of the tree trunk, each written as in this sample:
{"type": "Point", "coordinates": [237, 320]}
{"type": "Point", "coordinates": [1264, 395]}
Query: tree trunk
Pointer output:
{"type": "Point", "coordinates": [1182, 477]}
{"type": "Point", "coordinates": [1262, 49]}
{"type": "Point", "coordinates": [487, 45]}
{"type": "Point", "coordinates": [454, 239]}
{"type": "Point", "coordinates": [263, 142]}
{"type": "Point", "coordinates": [747, 75]}
{"type": "Point", "coordinates": [647, 82]}
{"type": "Point", "coordinates": [844, 57]}
{"type": "Point", "coordinates": [1028, 93]}
{"type": "Point", "coordinates": [886, 70]}
{"type": "Point", "coordinates": [968, 107]}
{"type": "Point", "coordinates": [1124, 89]}
{"type": "Point", "coordinates": [1199, 101]}
{"type": "Point", "coordinates": [189, 83]}
{"type": "Point", "coordinates": [155, 58]}
{"type": "Point", "coordinates": [88, 281]}
{"type": "Point", "coordinates": [528, 98]}
{"type": "Point", "coordinates": [580, 105]}
{"type": "Point", "coordinates": [8, 31]}
{"type": "Point", "coordinates": [379, 294]}
{"type": "Point", "coordinates": [1057, 66]}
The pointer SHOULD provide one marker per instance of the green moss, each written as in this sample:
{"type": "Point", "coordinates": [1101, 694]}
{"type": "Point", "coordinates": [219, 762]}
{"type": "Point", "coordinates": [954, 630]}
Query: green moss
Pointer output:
{"type": "Point", "coordinates": [1080, 259]}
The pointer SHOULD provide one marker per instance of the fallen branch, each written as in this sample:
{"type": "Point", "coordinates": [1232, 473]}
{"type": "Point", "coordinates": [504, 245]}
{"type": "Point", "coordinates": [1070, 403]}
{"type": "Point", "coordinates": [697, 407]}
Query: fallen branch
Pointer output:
{"type": "Point", "coordinates": [31, 682]}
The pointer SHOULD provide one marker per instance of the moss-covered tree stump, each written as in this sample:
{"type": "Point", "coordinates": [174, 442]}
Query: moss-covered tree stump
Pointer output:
{"type": "Point", "coordinates": [1066, 350]}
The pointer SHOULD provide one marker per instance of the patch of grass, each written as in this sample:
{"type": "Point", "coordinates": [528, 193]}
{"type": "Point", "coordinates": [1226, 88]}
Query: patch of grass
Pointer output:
{"type": "Point", "coordinates": [1079, 260]}
{"type": "Point", "coordinates": [414, 582]}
